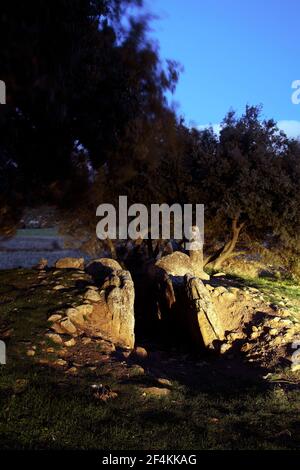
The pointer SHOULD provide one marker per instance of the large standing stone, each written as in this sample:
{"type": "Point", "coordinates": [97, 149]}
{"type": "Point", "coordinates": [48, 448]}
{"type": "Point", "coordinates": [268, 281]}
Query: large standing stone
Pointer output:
{"type": "Point", "coordinates": [201, 313]}
{"type": "Point", "coordinates": [110, 315]}
{"type": "Point", "coordinates": [185, 306]}
{"type": "Point", "coordinates": [113, 315]}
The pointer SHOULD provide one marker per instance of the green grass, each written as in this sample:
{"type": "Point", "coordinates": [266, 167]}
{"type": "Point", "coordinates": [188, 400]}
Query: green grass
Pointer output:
{"type": "Point", "coordinates": [214, 406]}
{"type": "Point", "coordinates": [49, 413]}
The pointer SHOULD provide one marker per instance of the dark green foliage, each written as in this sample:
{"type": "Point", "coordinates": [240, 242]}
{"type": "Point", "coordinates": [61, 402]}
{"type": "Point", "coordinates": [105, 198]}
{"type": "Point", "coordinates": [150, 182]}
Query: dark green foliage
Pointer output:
{"type": "Point", "coordinates": [75, 73]}
{"type": "Point", "coordinates": [87, 120]}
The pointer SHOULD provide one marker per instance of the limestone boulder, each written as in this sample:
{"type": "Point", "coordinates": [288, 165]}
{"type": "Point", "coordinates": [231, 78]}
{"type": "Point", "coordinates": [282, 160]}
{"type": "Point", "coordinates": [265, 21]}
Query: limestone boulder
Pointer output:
{"type": "Point", "coordinates": [70, 263]}
{"type": "Point", "coordinates": [180, 264]}
{"type": "Point", "coordinates": [187, 312]}
{"type": "Point", "coordinates": [108, 315]}
{"type": "Point", "coordinates": [100, 268]}
{"type": "Point", "coordinates": [202, 316]}
{"type": "Point", "coordinates": [113, 315]}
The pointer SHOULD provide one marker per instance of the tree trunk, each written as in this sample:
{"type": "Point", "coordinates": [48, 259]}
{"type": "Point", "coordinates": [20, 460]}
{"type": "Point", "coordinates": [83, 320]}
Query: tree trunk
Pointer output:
{"type": "Point", "coordinates": [218, 258]}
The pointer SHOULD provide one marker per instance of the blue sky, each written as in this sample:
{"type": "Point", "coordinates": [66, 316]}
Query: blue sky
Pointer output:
{"type": "Point", "coordinates": [233, 52]}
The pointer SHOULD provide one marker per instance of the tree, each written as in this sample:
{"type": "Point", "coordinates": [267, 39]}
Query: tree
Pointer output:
{"type": "Point", "coordinates": [241, 179]}
{"type": "Point", "coordinates": [74, 73]}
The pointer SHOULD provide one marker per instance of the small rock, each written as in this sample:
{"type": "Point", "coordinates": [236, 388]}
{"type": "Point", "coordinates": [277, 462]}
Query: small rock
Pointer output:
{"type": "Point", "coordinates": [225, 347]}
{"type": "Point", "coordinates": [57, 328]}
{"type": "Point", "coordinates": [68, 326]}
{"type": "Point", "coordinates": [58, 287]}
{"type": "Point", "coordinates": [60, 362]}
{"type": "Point", "coordinates": [165, 382]}
{"type": "Point", "coordinates": [92, 296]}
{"type": "Point", "coordinates": [255, 335]}
{"type": "Point", "coordinates": [70, 263]}
{"type": "Point", "coordinates": [70, 343]}
{"type": "Point", "coordinates": [30, 352]}
{"type": "Point", "coordinates": [75, 316]}
{"type": "Point", "coordinates": [54, 337]}
{"type": "Point", "coordinates": [284, 313]}
{"type": "Point", "coordinates": [235, 335]}
{"type": "Point", "coordinates": [155, 392]}
{"type": "Point", "coordinates": [139, 353]}
{"type": "Point", "coordinates": [276, 319]}
{"type": "Point", "coordinates": [55, 317]}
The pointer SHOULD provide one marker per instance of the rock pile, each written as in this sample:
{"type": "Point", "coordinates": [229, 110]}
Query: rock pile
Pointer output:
{"type": "Point", "coordinates": [270, 340]}
{"type": "Point", "coordinates": [104, 310]}
{"type": "Point", "coordinates": [263, 332]}
{"type": "Point", "coordinates": [215, 314]}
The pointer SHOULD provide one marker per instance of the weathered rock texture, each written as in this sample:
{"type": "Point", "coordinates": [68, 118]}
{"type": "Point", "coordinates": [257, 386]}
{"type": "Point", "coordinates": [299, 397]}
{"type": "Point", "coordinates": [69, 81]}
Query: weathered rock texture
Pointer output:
{"type": "Point", "coordinates": [70, 263]}
{"type": "Point", "coordinates": [107, 311]}
{"type": "Point", "coordinates": [201, 314]}
{"type": "Point", "coordinates": [180, 264]}
{"type": "Point", "coordinates": [113, 315]}
{"type": "Point", "coordinates": [185, 304]}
